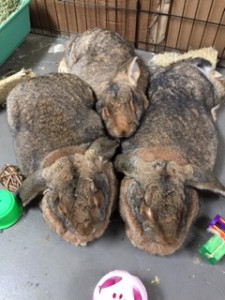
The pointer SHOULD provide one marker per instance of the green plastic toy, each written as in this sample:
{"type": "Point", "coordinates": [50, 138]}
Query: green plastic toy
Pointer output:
{"type": "Point", "coordinates": [10, 209]}
{"type": "Point", "coordinates": [214, 249]}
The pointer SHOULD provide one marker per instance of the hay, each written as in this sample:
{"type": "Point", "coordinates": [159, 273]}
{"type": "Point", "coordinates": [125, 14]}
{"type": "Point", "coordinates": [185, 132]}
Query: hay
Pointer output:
{"type": "Point", "coordinates": [8, 83]}
{"type": "Point", "coordinates": [167, 58]}
{"type": "Point", "coordinates": [7, 7]}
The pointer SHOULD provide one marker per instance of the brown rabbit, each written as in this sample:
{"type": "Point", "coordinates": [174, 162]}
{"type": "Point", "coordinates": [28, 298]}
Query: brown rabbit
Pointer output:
{"type": "Point", "coordinates": [119, 78]}
{"type": "Point", "coordinates": [170, 157]}
{"type": "Point", "coordinates": [61, 147]}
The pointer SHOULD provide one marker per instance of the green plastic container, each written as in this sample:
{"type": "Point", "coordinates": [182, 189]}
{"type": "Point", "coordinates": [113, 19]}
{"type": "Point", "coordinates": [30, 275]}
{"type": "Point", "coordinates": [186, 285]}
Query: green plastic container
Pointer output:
{"type": "Point", "coordinates": [14, 30]}
{"type": "Point", "coordinates": [10, 209]}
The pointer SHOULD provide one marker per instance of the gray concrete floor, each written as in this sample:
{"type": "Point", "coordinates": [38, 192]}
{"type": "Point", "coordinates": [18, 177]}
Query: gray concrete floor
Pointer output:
{"type": "Point", "coordinates": [36, 264]}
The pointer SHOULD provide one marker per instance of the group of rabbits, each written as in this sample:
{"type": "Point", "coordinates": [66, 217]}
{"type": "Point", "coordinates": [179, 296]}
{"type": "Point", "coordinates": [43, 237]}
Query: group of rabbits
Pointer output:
{"type": "Point", "coordinates": [104, 114]}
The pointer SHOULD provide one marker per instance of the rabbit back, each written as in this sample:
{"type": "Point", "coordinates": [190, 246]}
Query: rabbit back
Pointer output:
{"type": "Point", "coordinates": [118, 77]}
{"type": "Point", "coordinates": [170, 157]}
{"type": "Point", "coordinates": [50, 112]}
{"type": "Point", "coordinates": [98, 52]}
{"type": "Point", "coordinates": [179, 116]}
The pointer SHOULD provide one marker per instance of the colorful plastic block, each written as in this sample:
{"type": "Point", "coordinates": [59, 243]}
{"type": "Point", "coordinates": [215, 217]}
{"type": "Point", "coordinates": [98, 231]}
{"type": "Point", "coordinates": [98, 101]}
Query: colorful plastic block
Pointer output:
{"type": "Point", "coordinates": [217, 226]}
{"type": "Point", "coordinates": [214, 249]}
{"type": "Point", "coordinates": [217, 221]}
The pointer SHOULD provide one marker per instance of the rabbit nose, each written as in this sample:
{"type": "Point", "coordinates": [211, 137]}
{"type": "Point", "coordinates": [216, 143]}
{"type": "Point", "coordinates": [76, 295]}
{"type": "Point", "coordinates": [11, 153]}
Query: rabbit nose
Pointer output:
{"type": "Point", "coordinates": [124, 133]}
{"type": "Point", "coordinates": [123, 129]}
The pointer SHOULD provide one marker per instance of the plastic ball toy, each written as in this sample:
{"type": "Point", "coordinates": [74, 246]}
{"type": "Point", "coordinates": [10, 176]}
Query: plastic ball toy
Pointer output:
{"type": "Point", "coordinates": [120, 285]}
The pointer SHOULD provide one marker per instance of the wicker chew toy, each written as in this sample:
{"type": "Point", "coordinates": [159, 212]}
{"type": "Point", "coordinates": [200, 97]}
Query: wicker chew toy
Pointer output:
{"type": "Point", "coordinates": [11, 177]}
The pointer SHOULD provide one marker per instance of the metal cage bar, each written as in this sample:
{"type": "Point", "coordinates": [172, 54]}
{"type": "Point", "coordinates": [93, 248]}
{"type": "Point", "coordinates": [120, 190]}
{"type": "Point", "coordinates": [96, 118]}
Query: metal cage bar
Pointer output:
{"type": "Point", "coordinates": [155, 25]}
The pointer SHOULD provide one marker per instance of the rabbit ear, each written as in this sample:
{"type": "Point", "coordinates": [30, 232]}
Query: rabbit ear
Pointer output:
{"type": "Point", "coordinates": [203, 180]}
{"type": "Point", "coordinates": [133, 71]}
{"type": "Point", "coordinates": [124, 164]}
{"type": "Point", "coordinates": [104, 147]}
{"type": "Point", "coordinates": [57, 176]}
{"type": "Point", "coordinates": [101, 185]}
{"type": "Point", "coordinates": [202, 63]}
{"type": "Point", "coordinates": [32, 186]}
{"type": "Point", "coordinates": [101, 182]}
{"type": "Point", "coordinates": [134, 166]}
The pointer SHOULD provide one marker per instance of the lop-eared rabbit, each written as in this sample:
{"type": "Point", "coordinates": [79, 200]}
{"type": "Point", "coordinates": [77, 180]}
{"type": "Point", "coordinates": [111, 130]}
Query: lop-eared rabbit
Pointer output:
{"type": "Point", "coordinates": [61, 147]}
{"type": "Point", "coordinates": [171, 157]}
{"type": "Point", "coordinates": [108, 63]}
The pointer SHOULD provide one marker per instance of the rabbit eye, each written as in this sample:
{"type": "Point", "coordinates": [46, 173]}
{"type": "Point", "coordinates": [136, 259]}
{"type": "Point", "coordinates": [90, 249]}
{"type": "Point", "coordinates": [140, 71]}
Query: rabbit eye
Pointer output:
{"type": "Point", "coordinates": [145, 209]}
{"type": "Point", "coordinates": [86, 223]}
{"type": "Point", "coordinates": [98, 199]}
{"type": "Point", "coordinates": [146, 202]}
{"type": "Point", "coordinates": [113, 89]}
{"type": "Point", "coordinates": [133, 107]}
{"type": "Point", "coordinates": [105, 113]}
{"type": "Point", "coordinates": [62, 209]}
{"type": "Point", "coordinates": [92, 187]}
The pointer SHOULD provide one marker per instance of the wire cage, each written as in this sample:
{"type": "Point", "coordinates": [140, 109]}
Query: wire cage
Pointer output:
{"type": "Point", "coordinates": [153, 25]}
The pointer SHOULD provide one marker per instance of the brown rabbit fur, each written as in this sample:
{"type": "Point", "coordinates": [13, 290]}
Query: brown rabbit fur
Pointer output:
{"type": "Point", "coordinates": [119, 78]}
{"type": "Point", "coordinates": [170, 157]}
{"type": "Point", "coordinates": [61, 147]}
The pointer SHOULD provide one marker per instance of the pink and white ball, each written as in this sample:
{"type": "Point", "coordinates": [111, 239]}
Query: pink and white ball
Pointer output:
{"type": "Point", "coordinates": [120, 285]}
